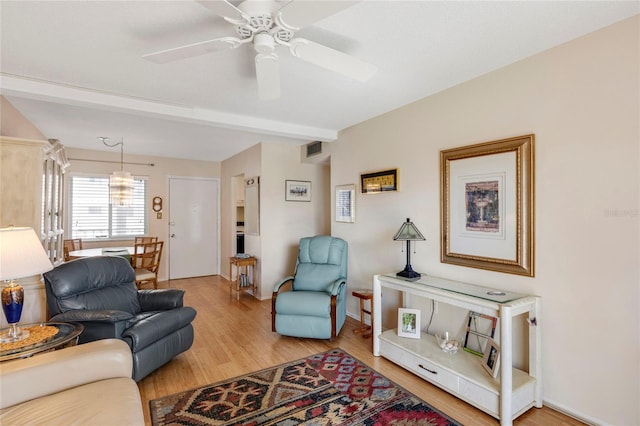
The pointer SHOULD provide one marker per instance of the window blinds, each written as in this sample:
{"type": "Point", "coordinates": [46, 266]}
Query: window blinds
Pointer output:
{"type": "Point", "coordinates": [92, 217]}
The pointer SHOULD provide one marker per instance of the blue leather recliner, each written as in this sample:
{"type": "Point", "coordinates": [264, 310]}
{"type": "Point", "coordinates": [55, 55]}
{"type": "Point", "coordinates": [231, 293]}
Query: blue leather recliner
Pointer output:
{"type": "Point", "coordinates": [316, 306]}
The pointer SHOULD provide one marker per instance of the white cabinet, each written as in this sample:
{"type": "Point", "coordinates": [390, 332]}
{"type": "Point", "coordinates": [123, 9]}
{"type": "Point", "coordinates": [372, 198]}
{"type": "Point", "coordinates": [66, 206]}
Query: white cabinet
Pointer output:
{"type": "Point", "coordinates": [462, 374]}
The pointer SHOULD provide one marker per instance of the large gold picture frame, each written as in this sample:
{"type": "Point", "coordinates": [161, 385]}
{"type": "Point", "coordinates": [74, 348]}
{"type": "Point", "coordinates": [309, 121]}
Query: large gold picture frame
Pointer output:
{"type": "Point", "coordinates": [487, 203]}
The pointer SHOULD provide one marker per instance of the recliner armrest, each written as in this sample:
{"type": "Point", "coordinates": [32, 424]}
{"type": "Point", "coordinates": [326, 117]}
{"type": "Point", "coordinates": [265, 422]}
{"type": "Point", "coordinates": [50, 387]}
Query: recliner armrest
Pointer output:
{"type": "Point", "coordinates": [105, 315]}
{"type": "Point", "coordinates": [157, 326]}
{"type": "Point", "coordinates": [51, 372]}
{"type": "Point", "coordinates": [335, 287]}
{"type": "Point", "coordinates": [276, 287]}
{"type": "Point", "coordinates": [160, 300]}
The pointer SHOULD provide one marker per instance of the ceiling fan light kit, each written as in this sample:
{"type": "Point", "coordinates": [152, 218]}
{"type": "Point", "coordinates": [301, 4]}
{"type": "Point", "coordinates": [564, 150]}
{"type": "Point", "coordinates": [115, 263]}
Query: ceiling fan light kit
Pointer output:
{"type": "Point", "coordinates": [268, 24]}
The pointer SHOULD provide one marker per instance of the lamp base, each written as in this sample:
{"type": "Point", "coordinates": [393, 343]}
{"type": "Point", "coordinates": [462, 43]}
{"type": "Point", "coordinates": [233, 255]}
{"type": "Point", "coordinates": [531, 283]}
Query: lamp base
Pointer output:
{"type": "Point", "coordinates": [409, 273]}
{"type": "Point", "coordinates": [13, 334]}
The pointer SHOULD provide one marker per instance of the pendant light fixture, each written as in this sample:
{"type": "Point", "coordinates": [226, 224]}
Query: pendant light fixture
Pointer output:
{"type": "Point", "coordinates": [121, 182]}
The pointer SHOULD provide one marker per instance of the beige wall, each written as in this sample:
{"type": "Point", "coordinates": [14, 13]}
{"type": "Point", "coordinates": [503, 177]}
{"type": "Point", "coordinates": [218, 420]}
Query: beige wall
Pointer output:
{"type": "Point", "coordinates": [282, 223]}
{"type": "Point", "coordinates": [246, 164]}
{"type": "Point", "coordinates": [158, 185]}
{"type": "Point", "coordinates": [14, 124]}
{"type": "Point", "coordinates": [581, 101]}
{"type": "Point", "coordinates": [285, 222]}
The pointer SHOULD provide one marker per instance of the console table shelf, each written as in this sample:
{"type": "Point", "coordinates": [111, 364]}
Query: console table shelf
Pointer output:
{"type": "Point", "coordinates": [462, 374]}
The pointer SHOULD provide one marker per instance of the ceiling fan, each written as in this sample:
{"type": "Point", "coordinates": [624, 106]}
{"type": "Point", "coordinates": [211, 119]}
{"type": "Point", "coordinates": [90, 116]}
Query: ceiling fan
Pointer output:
{"type": "Point", "coordinates": [268, 24]}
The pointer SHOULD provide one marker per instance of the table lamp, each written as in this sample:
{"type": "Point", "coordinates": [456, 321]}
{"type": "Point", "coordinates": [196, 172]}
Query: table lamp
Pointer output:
{"type": "Point", "coordinates": [21, 255]}
{"type": "Point", "coordinates": [408, 232]}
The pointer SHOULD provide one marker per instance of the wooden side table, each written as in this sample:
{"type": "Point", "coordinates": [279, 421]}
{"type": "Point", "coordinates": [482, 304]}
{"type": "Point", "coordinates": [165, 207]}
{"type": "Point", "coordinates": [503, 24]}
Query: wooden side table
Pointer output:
{"type": "Point", "coordinates": [364, 295]}
{"type": "Point", "coordinates": [243, 281]}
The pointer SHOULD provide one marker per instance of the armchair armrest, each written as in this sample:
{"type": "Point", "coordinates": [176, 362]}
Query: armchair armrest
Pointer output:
{"type": "Point", "coordinates": [99, 324]}
{"type": "Point", "coordinates": [63, 369]}
{"type": "Point", "coordinates": [160, 300]}
{"type": "Point", "coordinates": [106, 315]}
{"type": "Point", "coordinates": [276, 287]}
{"type": "Point", "coordinates": [337, 285]}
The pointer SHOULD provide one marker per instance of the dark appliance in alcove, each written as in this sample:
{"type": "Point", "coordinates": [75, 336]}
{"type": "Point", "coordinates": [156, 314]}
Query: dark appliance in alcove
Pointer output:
{"type": "Point", "coordinates": [240, 238]}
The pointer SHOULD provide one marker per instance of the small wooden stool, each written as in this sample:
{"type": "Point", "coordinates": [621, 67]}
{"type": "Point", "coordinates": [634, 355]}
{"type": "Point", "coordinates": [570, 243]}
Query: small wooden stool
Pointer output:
{"type": "Point", "coordinates": [363, 295]}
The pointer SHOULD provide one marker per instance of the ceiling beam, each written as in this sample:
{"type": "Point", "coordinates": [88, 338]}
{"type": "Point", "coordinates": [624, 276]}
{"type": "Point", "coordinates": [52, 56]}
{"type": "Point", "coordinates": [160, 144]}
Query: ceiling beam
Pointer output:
{"type": "Point", "coordinates": [12, 85]}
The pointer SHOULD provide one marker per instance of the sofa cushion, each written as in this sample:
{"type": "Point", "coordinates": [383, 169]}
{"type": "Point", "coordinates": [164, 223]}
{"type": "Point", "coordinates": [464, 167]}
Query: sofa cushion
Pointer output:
{"type": "Point", "coordinates": [106, 402]}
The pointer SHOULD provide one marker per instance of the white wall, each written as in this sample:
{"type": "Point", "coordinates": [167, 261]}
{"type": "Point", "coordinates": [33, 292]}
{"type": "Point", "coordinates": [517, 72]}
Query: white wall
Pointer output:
{"type": "Point", "coordinates": [581, 101]}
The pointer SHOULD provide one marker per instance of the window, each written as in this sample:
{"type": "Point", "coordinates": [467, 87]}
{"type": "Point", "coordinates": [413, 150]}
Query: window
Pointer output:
{"type": "Point", "coordinates": [92, 217]}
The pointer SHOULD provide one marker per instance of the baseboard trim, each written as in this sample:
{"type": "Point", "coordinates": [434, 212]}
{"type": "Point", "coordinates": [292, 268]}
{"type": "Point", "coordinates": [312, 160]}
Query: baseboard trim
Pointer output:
{"type": "Point", "coordinates": [572, 413]}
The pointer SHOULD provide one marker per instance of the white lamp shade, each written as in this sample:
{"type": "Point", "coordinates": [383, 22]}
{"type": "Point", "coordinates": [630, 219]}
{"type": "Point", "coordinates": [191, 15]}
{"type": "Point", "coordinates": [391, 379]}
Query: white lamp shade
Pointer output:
{"type": "Point", "coordinates": [21, 254]}
{"type": "Point", "coordinates": [121, 188]}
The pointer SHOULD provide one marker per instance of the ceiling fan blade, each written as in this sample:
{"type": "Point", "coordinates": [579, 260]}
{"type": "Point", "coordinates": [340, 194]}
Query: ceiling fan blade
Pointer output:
{"type": "Point", "coordinates": [268, 75]}
{"type": "Point", "coordinates": [195, 49]}
{"type": "Point", "coordinates": [298, 14]}
{"type": "Point", "coordinates": [224, 9]}
{"type": "Point", "coordinates": [332, 59]}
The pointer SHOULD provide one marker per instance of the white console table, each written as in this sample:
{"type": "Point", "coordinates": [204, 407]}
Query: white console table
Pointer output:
{"type": "Point", "coordinates": [505, 398]}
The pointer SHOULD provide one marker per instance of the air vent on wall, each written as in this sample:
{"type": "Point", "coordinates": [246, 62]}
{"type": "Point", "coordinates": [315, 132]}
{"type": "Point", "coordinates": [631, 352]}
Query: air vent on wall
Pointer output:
{"type": "Point", "coordinates": [314, 148]}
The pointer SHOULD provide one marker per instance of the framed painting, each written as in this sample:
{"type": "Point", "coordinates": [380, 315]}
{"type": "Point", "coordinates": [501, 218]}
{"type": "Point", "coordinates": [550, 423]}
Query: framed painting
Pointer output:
{"type": "Point", "coordinates": [346, 203]}
{"type": "Point", "coordinates": [377, 182]}
{"type": "Point", "coordinates": [487, 203]}
{"type": "Point", "coordinates": [297, 190]}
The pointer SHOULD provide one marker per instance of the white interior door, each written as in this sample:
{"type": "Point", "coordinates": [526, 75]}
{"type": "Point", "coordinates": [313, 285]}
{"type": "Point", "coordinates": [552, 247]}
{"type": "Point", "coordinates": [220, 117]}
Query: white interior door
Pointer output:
{"type": "Point", "coordinates": [193, 227]}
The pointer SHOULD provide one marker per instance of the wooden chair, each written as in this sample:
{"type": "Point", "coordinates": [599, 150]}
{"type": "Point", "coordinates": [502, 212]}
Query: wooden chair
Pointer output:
{"type": "Point", "coordinates": [146, 262]}
{"type": "Point", "coordinates": [143, 240]}
{"type": "Point", "coordinates": [69, 246]}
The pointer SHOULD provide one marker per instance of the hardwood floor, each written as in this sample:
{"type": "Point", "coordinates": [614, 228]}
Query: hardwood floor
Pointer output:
{"type": "Point", "coordinates": [234, 337]}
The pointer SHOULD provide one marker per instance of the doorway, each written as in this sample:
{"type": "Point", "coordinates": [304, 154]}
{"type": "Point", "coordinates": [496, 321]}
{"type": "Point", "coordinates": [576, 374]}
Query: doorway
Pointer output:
{"type": "Point", "coordinates": [237, 183]}
{"type": "Point", "coordinates": [194, 223]}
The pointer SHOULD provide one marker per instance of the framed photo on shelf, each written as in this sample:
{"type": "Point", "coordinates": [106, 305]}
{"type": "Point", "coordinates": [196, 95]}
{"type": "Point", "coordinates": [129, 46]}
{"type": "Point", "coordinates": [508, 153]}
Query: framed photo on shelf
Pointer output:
{"type": "Point", "coordinates": [376, 182]}
{"type": "Point", "coordinates": [487, 193]}
{"type": "Point", "coordinates": [480, 328]}
{"type": "Point", "coordinates": [491, 358]}
{"type": "Point", "coordinates": [409, 323]}
{"type": "Point", "coordinates": [346, 203]}
{"type": "Point", "coordinates": [297, 190]}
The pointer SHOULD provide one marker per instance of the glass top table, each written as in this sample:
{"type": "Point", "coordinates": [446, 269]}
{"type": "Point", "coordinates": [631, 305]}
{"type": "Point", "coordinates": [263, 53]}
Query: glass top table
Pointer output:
{"type": "Point", "coordinates": [66, 334]}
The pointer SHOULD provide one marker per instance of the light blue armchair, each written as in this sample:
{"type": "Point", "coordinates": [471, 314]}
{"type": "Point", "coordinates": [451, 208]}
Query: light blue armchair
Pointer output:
{"type": "Point", "coordinates": [316, 306]}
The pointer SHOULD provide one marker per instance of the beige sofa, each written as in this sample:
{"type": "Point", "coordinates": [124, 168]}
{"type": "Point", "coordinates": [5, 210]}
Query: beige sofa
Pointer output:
{"type": "Point", "coordinates": [87, 384]}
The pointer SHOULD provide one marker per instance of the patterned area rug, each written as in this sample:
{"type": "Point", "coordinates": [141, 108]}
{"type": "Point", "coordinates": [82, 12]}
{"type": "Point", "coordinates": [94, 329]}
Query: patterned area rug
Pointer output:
{"type": "Point", "coordinates": [331, 388]}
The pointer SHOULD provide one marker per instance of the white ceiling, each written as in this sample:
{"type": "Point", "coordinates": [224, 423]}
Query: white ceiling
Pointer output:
{"type": "Point", "coordinates": [74, 68]}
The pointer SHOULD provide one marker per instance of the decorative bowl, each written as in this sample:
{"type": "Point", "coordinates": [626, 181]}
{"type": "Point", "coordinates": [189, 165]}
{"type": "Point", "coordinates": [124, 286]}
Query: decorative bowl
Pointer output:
{"type": "Point", "coordinates": [447, 343]}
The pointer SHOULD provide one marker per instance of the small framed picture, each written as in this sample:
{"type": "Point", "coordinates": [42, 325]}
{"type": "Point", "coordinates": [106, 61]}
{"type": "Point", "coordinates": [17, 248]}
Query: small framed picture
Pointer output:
{"type": "Point", "coordinates": [377, 182]}
{"type": "Point", "coordinates": [297, 190]}
{"type": "Point", "coordinates": [480, 327]}
{"type": "Point", "coordinates": [346, 203]}
{"type": "Point", "coordinates": [491, 358]}
{"type": "Point", "coordinates": [409, 323]}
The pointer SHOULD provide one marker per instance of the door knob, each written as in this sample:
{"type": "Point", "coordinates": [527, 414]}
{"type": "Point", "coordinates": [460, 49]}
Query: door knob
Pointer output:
{"type": "Point", "coordinates": [173, 235]}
